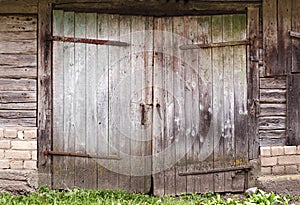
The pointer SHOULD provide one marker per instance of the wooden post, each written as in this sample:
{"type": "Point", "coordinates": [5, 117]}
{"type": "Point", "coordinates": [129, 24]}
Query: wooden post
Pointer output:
{"type": "Point", "coordinates": [44, 92]}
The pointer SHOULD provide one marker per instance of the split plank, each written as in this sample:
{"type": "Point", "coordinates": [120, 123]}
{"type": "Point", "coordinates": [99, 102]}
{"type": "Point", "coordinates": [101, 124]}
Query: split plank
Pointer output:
{"type": "Point", "coordinates": [273, 83]}
{"type": "Point", "coordinates": [272, 95]}
{"type": "Point", "coordinates": [274, 122]}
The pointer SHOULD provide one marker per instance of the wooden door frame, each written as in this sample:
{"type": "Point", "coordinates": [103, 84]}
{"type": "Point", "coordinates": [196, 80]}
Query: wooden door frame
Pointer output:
{"type": "Point", "coordinates": [45, 84]}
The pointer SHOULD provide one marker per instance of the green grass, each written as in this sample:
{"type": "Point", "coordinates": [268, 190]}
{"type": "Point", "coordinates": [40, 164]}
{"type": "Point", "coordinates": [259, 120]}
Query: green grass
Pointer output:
{"type": "Point", "coordinates": [45, 196]}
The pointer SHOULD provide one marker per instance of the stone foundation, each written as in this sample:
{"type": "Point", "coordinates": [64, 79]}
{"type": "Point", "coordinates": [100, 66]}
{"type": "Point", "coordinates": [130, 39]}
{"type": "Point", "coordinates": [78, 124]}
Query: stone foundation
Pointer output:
{"type": "Point", "coordinates": [18, 159]}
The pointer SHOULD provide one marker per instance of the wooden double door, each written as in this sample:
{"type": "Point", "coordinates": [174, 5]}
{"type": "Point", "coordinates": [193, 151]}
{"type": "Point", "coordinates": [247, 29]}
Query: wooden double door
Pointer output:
{"type": "Point", "coordinates": [149, 103]}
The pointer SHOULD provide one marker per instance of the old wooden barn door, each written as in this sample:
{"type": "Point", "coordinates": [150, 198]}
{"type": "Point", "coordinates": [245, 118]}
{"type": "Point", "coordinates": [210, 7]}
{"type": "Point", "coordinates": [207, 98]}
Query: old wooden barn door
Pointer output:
{"type": "Point", "coordinates": [139, 98]}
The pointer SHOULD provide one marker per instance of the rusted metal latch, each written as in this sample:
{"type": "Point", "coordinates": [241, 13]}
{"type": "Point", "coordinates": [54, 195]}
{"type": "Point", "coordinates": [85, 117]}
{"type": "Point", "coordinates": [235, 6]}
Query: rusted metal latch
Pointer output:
{"type": "Point", "coordinates": [294, 34]}
{"type": "Point", "coordinates": [213, 45]}
{"type": "Point", "coordinates": [88, 41]}
{"type": "Point", "coordinates": [48, 152]}
{"type": "Point", "coordinates": [245, 168]}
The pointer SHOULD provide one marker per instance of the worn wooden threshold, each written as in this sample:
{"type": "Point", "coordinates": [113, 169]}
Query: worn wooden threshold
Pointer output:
{"type": "Point", "coordinates": [213, 171]}
{"type": "Point", "coordinates": [213, 45]}
{"type": "Point", "coordinates": [88, 41]}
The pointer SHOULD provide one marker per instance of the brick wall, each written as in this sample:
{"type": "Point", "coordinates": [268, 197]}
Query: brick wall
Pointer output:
{"type": "Point", "coordinates": [280, 160]}
{"type": "Point", "coordinates": [18, 158]}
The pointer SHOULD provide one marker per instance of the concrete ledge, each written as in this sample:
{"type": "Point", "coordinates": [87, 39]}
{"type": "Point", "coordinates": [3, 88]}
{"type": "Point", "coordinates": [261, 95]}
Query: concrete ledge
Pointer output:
{"type": "Point", "coordinates": [287, 184]}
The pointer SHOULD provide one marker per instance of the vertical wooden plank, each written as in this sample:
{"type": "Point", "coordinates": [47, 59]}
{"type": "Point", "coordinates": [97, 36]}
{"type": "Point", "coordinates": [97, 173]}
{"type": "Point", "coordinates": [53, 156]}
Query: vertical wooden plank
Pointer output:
{"type": "Point", "coordinates": [125, 93]}
{"type": "Point", "coordinates": [58, 100]}
{"type": "Point", "coordinates": [270, 37]}
{"type": "Point", "coordinates": [295, 42]}
{"type": "Point", "coordinates": [80, 98]}
{"type": "Point", "coordinates": [44, 91]}
{"type": "Point", "coordinates": [114, 99]}
{"type": "Point", "coordinates": [179, 117]}
{"type": "Point", "coordinates": [205, 182]}
{"type": "Point", "coordinates": [148, 96]}
{"type": "Point", "coordinates": [240, 99]}
{"type": "Point", "coordinates": [102, 102]}
{"type": "Point", "coordinates": [229, 104]}
{"type": "Point", "coordinates": [294, 110]}
{"type": "Point", "coordinates": [253, 80]}
{"type": "Point", "coordinates": [169, 100]}
{"type": "Point", "coordinates": [191, 100]}
{"type": "Point", "coordinates": [218, 102]}
{"type": "Point", "coordinates": [138, 104]}
{"type": "Point", "coordinates": [69, 73]}
{"type": "Point", "coordinates": [158, 112]}
{"type": "Point", "coordinates": [284, 40]}
{"type": "Point", "coordinates": [90, 175]}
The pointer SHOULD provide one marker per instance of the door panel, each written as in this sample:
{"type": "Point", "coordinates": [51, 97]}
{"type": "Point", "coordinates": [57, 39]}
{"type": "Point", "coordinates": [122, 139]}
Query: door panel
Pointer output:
{"type": "Point", "coordinates": [98, 94]}
{"type": "Point", "coordinates": [202, 96]}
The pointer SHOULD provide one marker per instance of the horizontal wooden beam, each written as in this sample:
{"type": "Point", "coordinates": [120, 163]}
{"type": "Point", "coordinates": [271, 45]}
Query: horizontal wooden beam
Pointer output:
{"type": "Point", "coordinates": [89, 41]}
{"type": "Point", "coordinates": [213, 45]}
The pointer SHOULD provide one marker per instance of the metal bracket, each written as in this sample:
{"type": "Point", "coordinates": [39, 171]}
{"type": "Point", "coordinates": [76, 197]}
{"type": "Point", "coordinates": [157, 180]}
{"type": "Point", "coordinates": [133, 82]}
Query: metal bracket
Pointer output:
{"type": "Point", "coordinates": [88, 41]}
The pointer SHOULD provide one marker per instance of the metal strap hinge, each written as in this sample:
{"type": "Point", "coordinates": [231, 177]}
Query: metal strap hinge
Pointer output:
{"type": "Point", "coordinates": [88, 41]}
{"type": "Point", "coordinates": [48, 152]}
{"type": "Point", "coordinates": [213, 171]}
{"type": "Point", "coordinates": [213, 45]}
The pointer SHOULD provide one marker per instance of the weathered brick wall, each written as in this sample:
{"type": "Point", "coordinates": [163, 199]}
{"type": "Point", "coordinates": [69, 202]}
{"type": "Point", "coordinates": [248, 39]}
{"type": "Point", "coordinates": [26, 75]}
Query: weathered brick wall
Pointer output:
{"type": "Point", "coordinates": [18, 158]}
{"type": "Point", "coordinates": [280, 160]}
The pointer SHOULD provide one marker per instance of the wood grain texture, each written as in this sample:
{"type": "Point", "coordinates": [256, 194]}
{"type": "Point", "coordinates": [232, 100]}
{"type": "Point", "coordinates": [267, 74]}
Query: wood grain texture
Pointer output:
{"type": "Point", "coordinates": [270, 36]}
{"type": "Point", "coordinates": [273, 95]}
{"type": "Point", "coordinates": [44, 91]}
{"type": "Point", "coordinates": [295, 41]}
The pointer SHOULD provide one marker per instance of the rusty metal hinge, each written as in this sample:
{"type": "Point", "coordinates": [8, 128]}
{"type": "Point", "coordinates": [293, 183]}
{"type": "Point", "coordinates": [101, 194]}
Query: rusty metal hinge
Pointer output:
{"type": "Point", "coordinates": [213, 45]}
{"type": "Point", "coordinates": [48, 152]}
{"type": "Point", "coordinates": [88, 41]}
{"type": "Point", "coordinates": [245, 168]}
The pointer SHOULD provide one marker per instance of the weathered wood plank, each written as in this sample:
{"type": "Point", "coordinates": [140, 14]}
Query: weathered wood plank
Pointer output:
{"type": "Point", "coordinates": [274, 122]}
{"type": "Point", "coordinates": [17, 114]}
{"type": "Point", "coordinates": [229, 94]}
{"type": "Point", "coordinates": [25, 122]}
{"type": "Point", "coordinates": [11, 72]}
{"type": "Point", "coordinates": [17, 96]}
{"type": "Point", "coordinates": [17, 36]}
{"type": "Point", "coordinates": [205, 157]}
{"type": "Point", "coordinates": [18, 23]}
{"type": "Point", "coordinates": [79, 102]}
{"type": "Point", "coordinates": [218, 103]}
{"type": "Point", "coordinates": [91, 86]}
{"type": "Point", "coordinates": [168, 74]}
{"type": "Point", "coordinates": [284, 40]}
{"type": "Point", "coordinates": [273, 110]}
{"type": "Point", "coordinates": [272, 134]}
{"type": "Point", "coordinates": [18, 106]}
{"type": "Point", "coordinates": [294, 110]}
{"type": "Point", "coordinates": [272, 96]}
{"type": "Point", "coordinates": [68, 89]}
{"type": "Point", "coordinates": [24, 47]}
{"type": "Point", "coordinates": [159, 107]}
{"type": "Point", "coordinates": [102, 102]}
{"type": "Point", "coordinates": [114, 98]}
{"type": "Point", "coordinates": [272, 142]}
{"type": "Point", "coordinates": [9, 60]}
{"type": "Point", "coordinates": [273, 83]}
{"type": "Point", "coordinates": [18, 7]}
{"type": "Point", "coordinates": [179, 116]}
{"type": "Point", "coordinates": [253, 80]}
{"type": "Point", "coordinates": [44, 90]}
{"type": "Point", "coordinates": [59, 169]}
{"type": "Point", "coordinates": [18, 85]}
{"type": "Point", "coordinates": [241, 101]}
{"type": "Point", "coordinates": [270, 37]}
{"type": "Point", "coordinates": [295, 42]}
